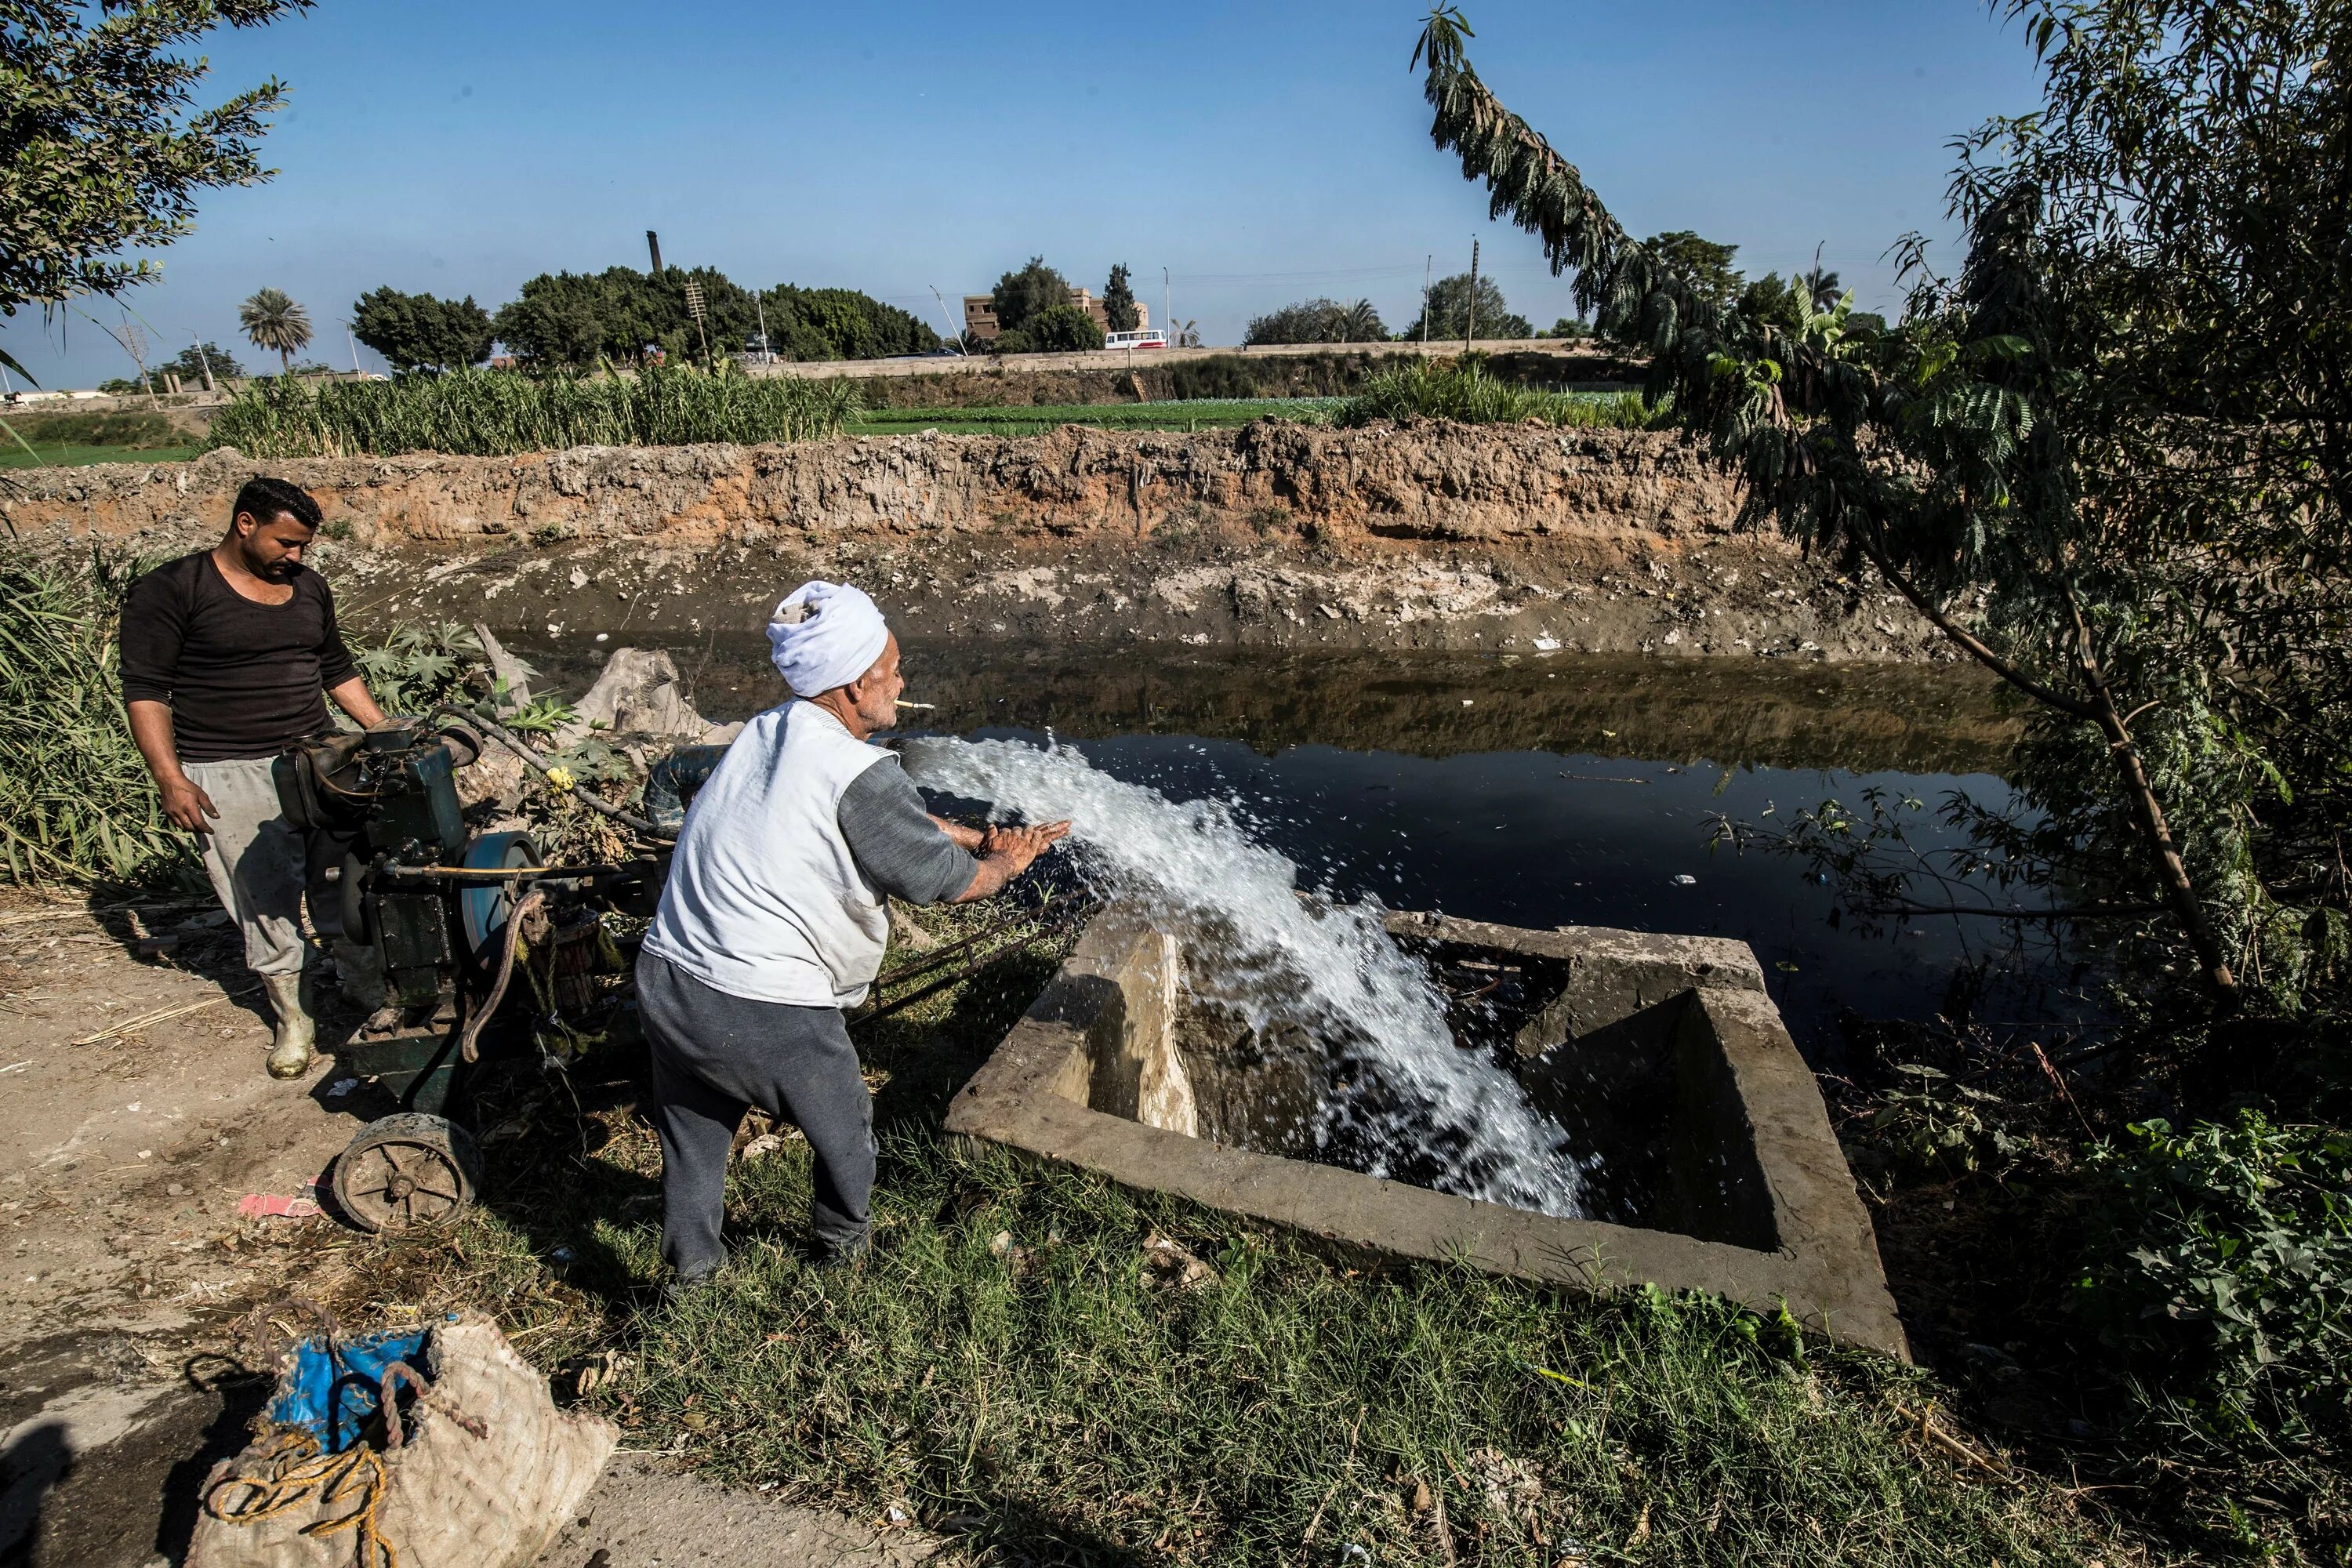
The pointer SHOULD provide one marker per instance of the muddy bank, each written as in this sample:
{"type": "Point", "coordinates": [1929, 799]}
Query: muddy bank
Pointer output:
{"type": "Point", "coordinates": [1275, 535]}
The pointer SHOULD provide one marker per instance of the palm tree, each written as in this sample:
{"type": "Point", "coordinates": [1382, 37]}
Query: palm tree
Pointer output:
{"type": "Point", "coordinates": [1823, 288]}
{"type": "Point", "coordinates": [1360, 323]}
{"type": "Point", "coordinates": [272, 319]}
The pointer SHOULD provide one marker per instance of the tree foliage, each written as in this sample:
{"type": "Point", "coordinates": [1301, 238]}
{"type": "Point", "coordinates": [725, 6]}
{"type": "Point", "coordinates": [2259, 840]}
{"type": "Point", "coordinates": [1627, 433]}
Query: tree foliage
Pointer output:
{"type": "Point", "coordinates": [1119, 302]}
{"type": "Point", "coordinates": [102, 148]}
{"type": "Point", "coordinates": [272, 321]}
{"type": "Point", "coordinates": [1446, 312]}
{"type": "Point", "coordinates": [1021, 295]}
{"type": "Point", "coordinates": [191, 363]}
{"type": "Point", "coordinates": [1056, 329]}
{"type": "Point", "coordinates": [418, 332]}
{"type": "Point", "coordinates": [2109, 458]}
{"type": "Point", "coordinates": [576, 319]}
{"type": "Point", "coordinates": [1318, 322]}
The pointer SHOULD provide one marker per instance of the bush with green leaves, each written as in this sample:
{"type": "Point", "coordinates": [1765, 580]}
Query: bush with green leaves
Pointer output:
{"type": "Point", "coordinates": [2221, 1262]}
{"type": "Point", "coordinates": [1056, 329]}
{"type": "Point", "coordinates": [1318, 321]}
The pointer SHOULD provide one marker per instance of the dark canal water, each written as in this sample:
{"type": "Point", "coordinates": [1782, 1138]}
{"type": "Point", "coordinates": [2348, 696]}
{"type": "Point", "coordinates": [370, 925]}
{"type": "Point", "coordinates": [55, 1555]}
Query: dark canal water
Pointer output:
{"type": "Point", "coordinates": [1536, 791]}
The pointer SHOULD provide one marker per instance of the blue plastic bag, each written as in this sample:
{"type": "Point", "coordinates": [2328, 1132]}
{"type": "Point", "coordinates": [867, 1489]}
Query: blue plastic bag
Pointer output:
{"type": "Point", "coordinates": [335, 1384]}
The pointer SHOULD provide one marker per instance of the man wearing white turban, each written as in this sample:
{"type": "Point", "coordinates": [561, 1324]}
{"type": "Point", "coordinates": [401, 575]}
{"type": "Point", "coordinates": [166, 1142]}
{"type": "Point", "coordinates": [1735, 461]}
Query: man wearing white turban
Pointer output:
{"type": "Point", "coordinates": [774, 921]}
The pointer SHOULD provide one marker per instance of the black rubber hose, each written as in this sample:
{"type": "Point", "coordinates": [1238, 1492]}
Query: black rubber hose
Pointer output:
{"type": "Point", "coordinates": [497, 732]}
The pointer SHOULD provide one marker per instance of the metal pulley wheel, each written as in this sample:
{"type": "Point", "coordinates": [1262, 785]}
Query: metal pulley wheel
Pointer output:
{"type": "Point", "coordinates": [406, 1173]}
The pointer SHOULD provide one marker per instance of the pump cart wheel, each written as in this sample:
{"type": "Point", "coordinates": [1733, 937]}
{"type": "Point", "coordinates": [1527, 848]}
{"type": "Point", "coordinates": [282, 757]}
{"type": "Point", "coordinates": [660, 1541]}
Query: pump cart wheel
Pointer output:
{"type": "Point", "coordinates": [407, 1171]}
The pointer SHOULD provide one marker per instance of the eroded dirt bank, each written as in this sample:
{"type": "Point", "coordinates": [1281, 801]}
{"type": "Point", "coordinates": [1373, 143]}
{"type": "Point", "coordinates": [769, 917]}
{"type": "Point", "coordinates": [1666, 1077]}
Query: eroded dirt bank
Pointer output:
{"type": "Point", "coordinates": [1275, 535]}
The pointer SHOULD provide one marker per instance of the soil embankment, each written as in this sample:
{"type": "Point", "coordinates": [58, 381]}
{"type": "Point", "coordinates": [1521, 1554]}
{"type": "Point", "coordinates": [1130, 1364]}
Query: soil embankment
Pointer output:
{"type": "Point", "coordinates": [1517, 538]}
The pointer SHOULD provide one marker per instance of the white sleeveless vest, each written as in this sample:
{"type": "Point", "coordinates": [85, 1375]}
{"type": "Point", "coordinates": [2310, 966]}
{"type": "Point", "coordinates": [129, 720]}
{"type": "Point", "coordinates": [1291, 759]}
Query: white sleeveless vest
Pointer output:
{"type": "Point", "coordinates": [764, 899]}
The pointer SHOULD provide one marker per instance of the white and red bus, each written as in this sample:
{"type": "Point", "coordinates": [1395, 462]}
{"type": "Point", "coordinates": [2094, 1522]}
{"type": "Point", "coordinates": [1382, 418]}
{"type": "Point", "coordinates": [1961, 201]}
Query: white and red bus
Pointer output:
{"type": "Point", "coordinates": [1149, 338]}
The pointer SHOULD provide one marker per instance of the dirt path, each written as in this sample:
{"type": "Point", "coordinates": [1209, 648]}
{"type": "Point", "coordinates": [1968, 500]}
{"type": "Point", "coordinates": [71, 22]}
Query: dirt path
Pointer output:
{"type": "Point", "coordinates": [122, 1165]}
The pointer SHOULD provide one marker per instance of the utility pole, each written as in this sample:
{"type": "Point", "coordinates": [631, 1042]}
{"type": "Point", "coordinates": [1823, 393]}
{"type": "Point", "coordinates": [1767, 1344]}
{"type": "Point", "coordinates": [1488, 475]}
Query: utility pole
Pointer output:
{"type": "Point", "coordinates": [205, 359]}
{"type": "Point", "coordinates": [136, 342]}
{"type": "Point", "coordinates": [694, 308]}
{"type": "Point", "coordinates": [1470, 322]}
{"type": "Point", "coordinates": [955, 333]}
{"type": "Point", "coordinates": [354, 345]}
{"type": "Point", "coordinates": [1167, 316]}
{"type": "Point", "coordinates": [653, 247]}
{"type": "Point", "coordinates": [1428, 265]}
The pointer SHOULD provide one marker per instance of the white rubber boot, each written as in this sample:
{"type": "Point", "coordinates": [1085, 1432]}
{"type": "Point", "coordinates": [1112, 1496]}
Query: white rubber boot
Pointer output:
{"type": "Point", "coordinates": [290, 1052]}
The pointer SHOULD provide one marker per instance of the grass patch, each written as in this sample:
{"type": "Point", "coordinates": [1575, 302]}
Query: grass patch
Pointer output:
{"type": "Point", "coordinates": [46, 455]}
{"type": "Point", "coordinates": [1203, 414]}
{"type": "Point", "coordinates": [1007, 1370]}
{"type": "Point", "coordinates": [495, 414]}
{"type": "Point", "coordinates": [1468, 393]}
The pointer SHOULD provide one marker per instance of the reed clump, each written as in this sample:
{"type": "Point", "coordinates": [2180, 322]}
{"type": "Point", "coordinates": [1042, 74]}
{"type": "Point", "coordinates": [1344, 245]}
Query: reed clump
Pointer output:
{"type": "Point", "coordinates": [497, 413]}
{"type": "Point", "coordinates": [1466, 392]}
{"type": "Point", "coordinates": [77, 806]}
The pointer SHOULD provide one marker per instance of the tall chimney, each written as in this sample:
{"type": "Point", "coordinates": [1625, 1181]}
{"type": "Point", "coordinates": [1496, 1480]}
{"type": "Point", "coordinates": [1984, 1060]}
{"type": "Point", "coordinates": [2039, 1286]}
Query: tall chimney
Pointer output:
{"type": "Point", "coordinates": [653, 243]}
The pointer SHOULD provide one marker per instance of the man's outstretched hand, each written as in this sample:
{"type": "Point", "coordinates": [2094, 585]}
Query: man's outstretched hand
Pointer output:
{"type": "Point", "coordinates": [1006, 852]}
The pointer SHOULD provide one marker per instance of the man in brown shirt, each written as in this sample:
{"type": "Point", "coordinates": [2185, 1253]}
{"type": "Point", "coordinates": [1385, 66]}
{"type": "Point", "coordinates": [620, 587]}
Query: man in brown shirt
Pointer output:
{"type": "Point", "coordinates": [228, 656]}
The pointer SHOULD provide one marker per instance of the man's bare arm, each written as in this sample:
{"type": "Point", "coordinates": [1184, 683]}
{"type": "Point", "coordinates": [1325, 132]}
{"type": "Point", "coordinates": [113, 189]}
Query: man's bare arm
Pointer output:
{"type": "Point", "coordinates": [355, 699]}
{"type": "Point", "coordinates": [1008, 853]}
{"type": "Point", "coordinates": [967, 839]}
{"type": "Point", "coordinates": [183, 802]}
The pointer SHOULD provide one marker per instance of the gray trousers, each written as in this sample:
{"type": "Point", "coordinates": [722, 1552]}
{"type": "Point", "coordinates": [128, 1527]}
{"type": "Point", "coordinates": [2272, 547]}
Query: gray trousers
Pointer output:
{"type": "Point", "coordinates": [714, 1057]}
{"type": "Point", "coordinates": [257, 866]}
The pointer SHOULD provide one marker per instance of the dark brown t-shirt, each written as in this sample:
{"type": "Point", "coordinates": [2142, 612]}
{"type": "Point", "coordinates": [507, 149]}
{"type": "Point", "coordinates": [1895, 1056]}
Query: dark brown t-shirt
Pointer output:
{"type": "Point", "coordinates": [243, 679]}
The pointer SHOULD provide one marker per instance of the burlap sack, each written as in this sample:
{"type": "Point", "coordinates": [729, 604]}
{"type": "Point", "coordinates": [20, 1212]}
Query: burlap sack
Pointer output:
{"type": "Point", "coordinates": [487, 1471]}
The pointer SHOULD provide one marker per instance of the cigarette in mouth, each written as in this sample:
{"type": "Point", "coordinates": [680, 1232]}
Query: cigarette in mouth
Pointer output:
{"type": "Point", "coordinates": [904, 703]}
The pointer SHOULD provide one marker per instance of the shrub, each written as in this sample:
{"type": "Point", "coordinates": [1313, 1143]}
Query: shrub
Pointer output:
{"type": "Point", "coordinates": [2220, 1264]}
{"type": "Point", "coordinates": [1465, 391]}
{"type": "Point", "coordinates": [1056, 329]}
{"type": "Point", "coordinates": [1318, 322]}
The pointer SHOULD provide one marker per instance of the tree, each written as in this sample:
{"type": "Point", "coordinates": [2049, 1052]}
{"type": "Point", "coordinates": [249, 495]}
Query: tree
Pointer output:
{"type": "Point", "coordinates": [1056, 329]}
{"type": "Point", "coordinates": [1021, 295]}
{"type": "Point", "coordinates": [193, 363]}
{"type": "Point", "coordinates": [1318, 322]}
{"type": "Point", "coordinates": [1567, 327]}
{"type": "Point", "coordinates": [841, 324]}
{"type": "Point", "coordinates": [1772, 298]}
{"type": "Point", "coordinates": [1118, 302]}
{"type": "Point", "coordinates": [272, 319]}
{"type": "Point", "coordinates": [2124, 427]}
{"type": "Point", "coordinates": [1707, 263]}
{"type": "Point", "coordinates": [101, 150]}
{"type": "Point", "coordinates": [1446, 312]}
{"type": "Point", "coordinates": [418, 332]}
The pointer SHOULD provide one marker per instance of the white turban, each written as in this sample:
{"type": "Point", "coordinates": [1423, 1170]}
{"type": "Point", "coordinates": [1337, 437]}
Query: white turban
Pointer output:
{"type": "Point", "coordinates": [825, 634]}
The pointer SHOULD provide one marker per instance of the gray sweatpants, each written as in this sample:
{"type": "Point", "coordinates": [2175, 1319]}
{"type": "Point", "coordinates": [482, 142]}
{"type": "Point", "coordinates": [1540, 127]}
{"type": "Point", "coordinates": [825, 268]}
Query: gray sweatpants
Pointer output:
{"type": "Point", "coordinates": [256, 863]}
{"type": "Point", "coordinates": [715, 1056]}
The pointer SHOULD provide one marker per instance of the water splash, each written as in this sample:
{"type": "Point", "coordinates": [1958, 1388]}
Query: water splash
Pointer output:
{"type": "Point", "coordinates": [1274, 958]}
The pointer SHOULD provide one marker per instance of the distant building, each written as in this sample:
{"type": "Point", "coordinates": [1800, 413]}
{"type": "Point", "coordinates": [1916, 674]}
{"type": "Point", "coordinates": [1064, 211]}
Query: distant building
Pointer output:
{"type": "Point", "coordinates": [979, 313]}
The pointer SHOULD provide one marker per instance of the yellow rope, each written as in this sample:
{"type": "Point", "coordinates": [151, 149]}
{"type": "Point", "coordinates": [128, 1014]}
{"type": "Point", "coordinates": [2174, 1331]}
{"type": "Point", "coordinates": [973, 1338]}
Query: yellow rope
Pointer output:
{"type": "Point", "coordinates": [295, 1470]}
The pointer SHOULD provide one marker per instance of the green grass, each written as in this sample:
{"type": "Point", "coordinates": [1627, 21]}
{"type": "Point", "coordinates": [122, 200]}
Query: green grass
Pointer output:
{"type": "Point", "coordinates": [491, 414]}
{"type": "Point", "coordinates": [1466, 392]}
{"type": "Point", "coordinates": [1201, 414]}
{"type": "Point", "coordinates": [1001, 1371]}
{"type": "Point", "coordinates": [48, 454]}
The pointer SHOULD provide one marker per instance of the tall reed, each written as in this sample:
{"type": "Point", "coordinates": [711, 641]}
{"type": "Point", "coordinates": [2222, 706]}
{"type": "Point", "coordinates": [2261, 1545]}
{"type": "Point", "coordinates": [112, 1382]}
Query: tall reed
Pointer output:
{"type": "Point", "coordinates": [77, 806]}
{"type": "Point", "coordinates": [1465, 391]}
{"type": "Point", "coordinates": [497, 413]}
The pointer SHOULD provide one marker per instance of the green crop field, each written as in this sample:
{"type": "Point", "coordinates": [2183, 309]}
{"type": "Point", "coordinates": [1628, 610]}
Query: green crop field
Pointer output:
{"type": "Point", "coordinates": [61, 455]}
{"type": "Point", "coordinates": [1201, 413]}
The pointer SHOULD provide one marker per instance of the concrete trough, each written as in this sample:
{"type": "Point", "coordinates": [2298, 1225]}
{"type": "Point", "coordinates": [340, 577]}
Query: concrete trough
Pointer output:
{"type": "Point", "coordinates": [1663, 1055]}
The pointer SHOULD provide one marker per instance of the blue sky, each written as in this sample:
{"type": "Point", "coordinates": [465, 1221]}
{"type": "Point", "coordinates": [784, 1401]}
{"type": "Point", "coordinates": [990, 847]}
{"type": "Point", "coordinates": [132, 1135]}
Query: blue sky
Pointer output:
{"type": "Point", "coordinates": [1259, 153]}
